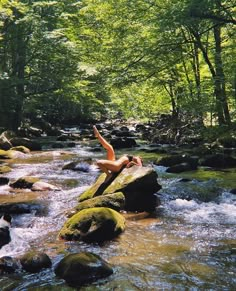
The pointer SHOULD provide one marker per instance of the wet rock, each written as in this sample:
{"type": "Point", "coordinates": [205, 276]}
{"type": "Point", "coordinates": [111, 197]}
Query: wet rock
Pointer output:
{"type": "Point", "coordinates": [4, 142]}
{"type": "Point", "coordinates": [80, 166]}
{"type": "Point", "coordinates": [20, 208]}
{"type": "Point", "coordinates": [185, 180]}
{"type": "Point", "coordinates": [123, 142]}
{"type": "Point", "coordinates": [93, 225]}
{"type": "Point", "coordinates": [11, 154]}
{"type": "Point", "coordinates": [81, 268]}
{"type": "Point", "coordinates": [138, 184]}
{"type": "Point", "coordinates": [4, 170]}
{"type": "Point", "coordinates": [24, 182]}
{"type": "Point", "coordinates": [227, 141]}
{"type": "Point", "coordinates": [218, 161]}
{"type": "Point", "coordinates": [5, 223]}
{"type": "Point", "coordinates": [4, 181]}
{"type": "Point", "coordinates": [170, 161]}
{"type": "Point", "coordinates": [58, 145]}
{"type": "Point", "coordinates": [4, 154]}
{"type": "Point", "coordinates": [34, 262]}
{"type": "Point", "coordinates": [43, 186]}
{"type": "Point", "coordinates": [114, 201]}
{"type": "Point", "coordinates": [22, 203]}
{"type": "Point", "coordinates": [20, 141]}
{"type": "Point", "coordinates": [233, 191]}
{"type": "Point", "coordinates": [179, 168]}
{"type": "Point", "coordinates": [8, 265]}
{"type": "Point", "coordinates": [22, 149]}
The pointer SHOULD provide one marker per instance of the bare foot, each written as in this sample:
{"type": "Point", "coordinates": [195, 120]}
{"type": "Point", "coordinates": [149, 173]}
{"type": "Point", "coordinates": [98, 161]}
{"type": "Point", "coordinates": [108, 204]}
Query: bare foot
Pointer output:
{"type": "Point", "coordinates": [96, 133]}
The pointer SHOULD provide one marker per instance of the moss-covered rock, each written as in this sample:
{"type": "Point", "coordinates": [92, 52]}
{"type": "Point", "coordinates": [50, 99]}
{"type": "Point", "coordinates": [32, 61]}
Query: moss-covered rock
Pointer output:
{"type": "Point", "coordinates": [138, 184]}
{"type": "Point", "coordinates": [4, 169]}
{"type": "Point", "coordinates": [81, 268]}
{"type": "Point", "coordinates": [4, 154]}
{"type": "Point", "coordinates": [24, 182]}
{"type": "Point", "coordinates": [34, 262]}
{"type": "Point", "coordinates": [30, 144]}
{"type": "Point", "coordinates": [115, 201]}
{"type": "Point", "coordinates": [22, 149]}
{"type": "Point", "coordinates": [93, 225]}
{"type": "Point", "coordinates": [90, 192]}
{"type": "Point", "coordinates": [219, 161]}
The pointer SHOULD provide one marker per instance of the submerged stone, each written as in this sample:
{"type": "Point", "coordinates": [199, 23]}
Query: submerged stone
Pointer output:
{"type": "Point", "coordinates": [8, 265]}
{"type": "Point", "coordinates": [81, 268]}
{"type": "Point", "coordinates": [34, 262]}
{"type": "Point", "coordinates": [24, 182]}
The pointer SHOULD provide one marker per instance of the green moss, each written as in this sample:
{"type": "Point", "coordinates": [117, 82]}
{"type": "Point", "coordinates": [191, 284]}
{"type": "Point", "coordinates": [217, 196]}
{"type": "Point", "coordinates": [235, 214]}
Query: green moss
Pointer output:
{"type": "Point", "coordinates": [4, 154]}
{"type": "Point", "coordinates": [4, 169]}
{"type": "Point", "coordinates": [24, 182]}
{"type": "Point", "coordinates": [115, 201]}
{"type": "Point", "coordinates": [89, 193]}
{"type": "Point", "coordinates": [22, 149]}
{"type": "Point", "coordinates": [91, 221]}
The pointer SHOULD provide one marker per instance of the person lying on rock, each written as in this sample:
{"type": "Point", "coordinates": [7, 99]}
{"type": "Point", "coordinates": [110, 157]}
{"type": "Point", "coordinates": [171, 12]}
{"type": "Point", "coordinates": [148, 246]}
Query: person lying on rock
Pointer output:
{"type": "Point", "coordinates": [111, 164]}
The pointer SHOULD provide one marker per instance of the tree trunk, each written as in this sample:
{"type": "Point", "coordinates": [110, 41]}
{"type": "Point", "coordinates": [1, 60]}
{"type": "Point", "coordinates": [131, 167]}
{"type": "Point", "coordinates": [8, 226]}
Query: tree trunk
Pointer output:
{"type": "Point", "coordinates": [216, 83]}
{"type": "Point", "coordinates": [220, 76]}
{"type": "Point", "coordinates": [18, 70]}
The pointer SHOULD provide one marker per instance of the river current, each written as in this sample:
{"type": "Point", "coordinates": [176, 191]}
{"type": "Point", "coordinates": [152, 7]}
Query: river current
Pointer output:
{"type": "Point", "coordinates": [187, 244]}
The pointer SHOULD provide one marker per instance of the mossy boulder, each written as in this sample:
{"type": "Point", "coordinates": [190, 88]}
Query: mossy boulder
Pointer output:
{"type": "Point", "coordinates": [96, 224]}
{"type": "Point", "coordinates": [81, 268]}
{"type": "Point", "coordinates": [179, 168]}
{"type": "Point", "coordinates": [34, 262]}
{"type": "Point", "coordinates": [219, 161]}
{"type": "Point", "coordinates": [170, 161]}
{"type": "Point", "coordinates": [138, 184]}
{"type": "Point", "coordinates": [4, 154]}
{"type": "Point", "coordinates": [4, 169]}
{"type": "Point", "coordinates": [24, 182]}
{"type": "Point", "coordinates": [30, 144]}
{"type": "Point", "coordinates": [22, 149]}
{"type": "Point", "coordinates": [114, 201]}
{"type": "Point", "coordinates": [91, 191]}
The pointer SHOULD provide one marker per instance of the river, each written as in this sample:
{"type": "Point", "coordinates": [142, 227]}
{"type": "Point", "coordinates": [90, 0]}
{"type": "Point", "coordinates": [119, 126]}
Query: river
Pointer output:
{"type": "Point", "coordinates": [187, 244]}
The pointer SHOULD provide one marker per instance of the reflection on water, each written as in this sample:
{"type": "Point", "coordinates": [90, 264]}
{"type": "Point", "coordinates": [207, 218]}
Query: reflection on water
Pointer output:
{"type": "Point", "coordinates": [187, 244]}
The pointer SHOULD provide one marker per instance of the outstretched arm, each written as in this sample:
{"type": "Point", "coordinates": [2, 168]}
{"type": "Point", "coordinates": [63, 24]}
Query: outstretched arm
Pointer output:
{"type": "Point", "coordinates": [110, 151]}
{"type": "Point", "coordinates": [135, 161]}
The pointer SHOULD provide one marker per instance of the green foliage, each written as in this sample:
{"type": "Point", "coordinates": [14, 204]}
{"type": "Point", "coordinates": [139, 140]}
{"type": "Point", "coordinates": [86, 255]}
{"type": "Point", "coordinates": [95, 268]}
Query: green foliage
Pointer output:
{"type": "Point", "coordinates": [70, 61]}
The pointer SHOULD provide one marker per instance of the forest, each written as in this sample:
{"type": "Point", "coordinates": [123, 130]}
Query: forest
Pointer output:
{"type": "Point", "coordinates": [66, 62]}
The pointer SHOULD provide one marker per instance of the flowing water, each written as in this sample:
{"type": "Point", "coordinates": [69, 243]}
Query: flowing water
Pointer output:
{"type": "Point", "coordinates": [187, 244]}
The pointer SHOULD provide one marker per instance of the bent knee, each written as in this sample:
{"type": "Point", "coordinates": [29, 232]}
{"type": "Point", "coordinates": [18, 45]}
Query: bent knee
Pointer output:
{"type": "Point", "coordinates": [100, 162]}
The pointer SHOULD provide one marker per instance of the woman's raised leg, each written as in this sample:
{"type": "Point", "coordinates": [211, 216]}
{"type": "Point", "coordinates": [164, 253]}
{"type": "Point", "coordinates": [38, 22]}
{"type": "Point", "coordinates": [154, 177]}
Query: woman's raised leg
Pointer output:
{"type": "Point", "coordinates": [107, 146]}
